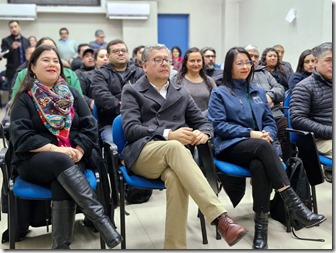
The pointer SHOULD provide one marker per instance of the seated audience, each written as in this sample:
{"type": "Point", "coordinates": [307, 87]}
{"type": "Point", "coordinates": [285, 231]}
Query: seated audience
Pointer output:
{"type": "Point", "coordinates": [107, 85]}
{"type": "Point", "coordinates": [159, 119]}
{"type": "Point", "coordinates": [244, 131]}
{"type": "Point", "coordinates": [193, 77]}
{"type": "Point", "coordinates": [136, 55]}
{"type": "Point", "coordinates": [312, 99]}
{"type": "Point", "coordinates": [275, 94]}
{"type": "Point", "coordinates": [270, 58]}
{"type": "Point", "coordinates": [305, 67]}
{"type": "Point", "coordinates": [77, 62]}
{"type": "Point", "coordinates": [285, 64]}
{"type": "Point", "coordinates": [71, 77]}
{"type": "Point", "coordinates": [212, 69]}
{"type": "Point", "coordinates": [52, 142]}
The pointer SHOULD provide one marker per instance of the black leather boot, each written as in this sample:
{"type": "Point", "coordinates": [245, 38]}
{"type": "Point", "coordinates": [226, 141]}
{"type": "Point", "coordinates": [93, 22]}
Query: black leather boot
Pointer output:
{"type": "Point", "coordinates": [298, 211]}
{"type": "Point", "coordinates": [260, 230]}
{"type": "Point", "coordinates": [63, 218]}
{"type": "Point", "coordinates": [75, 183]}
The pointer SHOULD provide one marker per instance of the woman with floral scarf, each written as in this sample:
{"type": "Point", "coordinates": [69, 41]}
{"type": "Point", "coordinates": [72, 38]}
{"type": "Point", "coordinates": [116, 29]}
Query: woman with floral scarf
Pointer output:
{"type": "Point", "coordinates": [53, 133]}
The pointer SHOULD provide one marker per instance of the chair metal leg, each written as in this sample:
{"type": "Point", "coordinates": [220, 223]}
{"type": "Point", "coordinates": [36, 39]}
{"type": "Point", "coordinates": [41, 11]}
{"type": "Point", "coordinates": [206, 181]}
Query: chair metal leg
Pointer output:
{"type": "Point", "coordinates": [122, 211]}
{"type": "Point", "coordinates": [314, 198]}
{"type": "Point", "coordinates": [12, 218]}
{"type": "Point", "coordinates": [203, 227]}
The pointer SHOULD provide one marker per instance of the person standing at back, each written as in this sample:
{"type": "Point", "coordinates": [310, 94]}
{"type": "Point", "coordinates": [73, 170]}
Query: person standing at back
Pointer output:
{"type": "Point", "coordinates": [16, 45]}
{"type": "Point", "coordinates": [99, 42]}
{"type": "Point", "coordinates": [176, 58]}
{"type": "Point", "coordinates": [66, 47]}
{"type": "Point", "coordinates": [108, 82]}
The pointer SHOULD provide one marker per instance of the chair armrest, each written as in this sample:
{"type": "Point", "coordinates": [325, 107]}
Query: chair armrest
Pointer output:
{"type": "Point", "coordinates": [292, 130]}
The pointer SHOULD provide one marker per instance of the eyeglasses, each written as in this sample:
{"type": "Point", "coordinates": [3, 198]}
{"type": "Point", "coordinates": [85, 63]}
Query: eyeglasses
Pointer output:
{"type": "Point", "coordinates": [242, 64]}
{"type": "Point", "coordinates": [210, 56]}
{"type": "Point", "coordinates": [118, 51]}
{"type": "Point", "coordinates": [160, 61]}
{"type": "Point", "coordinates": [254, 56]}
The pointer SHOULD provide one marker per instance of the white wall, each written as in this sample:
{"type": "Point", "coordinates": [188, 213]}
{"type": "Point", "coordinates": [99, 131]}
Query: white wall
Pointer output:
{"type": "Point", "coordinates": [218, 23]}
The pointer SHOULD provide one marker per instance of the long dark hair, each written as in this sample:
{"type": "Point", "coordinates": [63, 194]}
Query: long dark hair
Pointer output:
{"type": "Point", "coordinates": [228, 65]}
{"type": "Point", "coordinates": [28, 81]}
{"type": "Point", "coordinates": [181, 74]}
{"type": "Point", "coordinates": [300, 65]}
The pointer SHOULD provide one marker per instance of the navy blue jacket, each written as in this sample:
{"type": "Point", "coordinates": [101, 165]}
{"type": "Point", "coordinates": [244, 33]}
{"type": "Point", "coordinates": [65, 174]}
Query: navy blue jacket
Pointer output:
{"type": "Point", "coordinates": [231, 115]}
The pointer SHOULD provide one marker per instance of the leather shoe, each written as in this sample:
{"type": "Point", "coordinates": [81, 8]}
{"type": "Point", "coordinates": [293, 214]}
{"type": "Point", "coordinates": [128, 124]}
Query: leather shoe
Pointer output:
{"type": "Point", "coordinates": [230, 230]}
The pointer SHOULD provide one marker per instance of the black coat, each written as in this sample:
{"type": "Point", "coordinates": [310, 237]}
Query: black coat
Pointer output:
{"type": "Point", "coordinates": [146, 114]}
{"type": "Point", "coordinates": [13, 56]}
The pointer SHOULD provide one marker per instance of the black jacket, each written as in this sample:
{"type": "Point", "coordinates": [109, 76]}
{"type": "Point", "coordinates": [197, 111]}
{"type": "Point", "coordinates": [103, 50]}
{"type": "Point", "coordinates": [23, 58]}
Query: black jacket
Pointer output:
{"type": "Point", "coordinates": [106, 89]}
{"type": "Point", "coordinates": [311, 106]}
{"type": "Point", "coordinates": [27, 131]}
{"type": "Point", "coordinates": [13, 56]}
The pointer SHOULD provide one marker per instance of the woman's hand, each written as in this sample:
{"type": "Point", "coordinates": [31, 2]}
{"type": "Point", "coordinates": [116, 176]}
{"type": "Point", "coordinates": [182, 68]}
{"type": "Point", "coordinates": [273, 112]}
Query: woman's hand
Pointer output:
{"type": "Point", "coordinates": [74, 154]}
{"type": "Point", "coordinates": [261, 135]}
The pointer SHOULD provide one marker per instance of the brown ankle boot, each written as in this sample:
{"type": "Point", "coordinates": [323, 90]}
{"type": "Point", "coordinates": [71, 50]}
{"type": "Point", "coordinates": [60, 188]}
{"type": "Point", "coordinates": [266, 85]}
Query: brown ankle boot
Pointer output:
{"type": "Point", "coordinates": [230, 230]}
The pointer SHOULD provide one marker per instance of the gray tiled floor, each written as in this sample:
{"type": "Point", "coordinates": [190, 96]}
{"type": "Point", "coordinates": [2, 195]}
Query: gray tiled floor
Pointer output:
{"type": "Point", "coordinates": [145, 227]}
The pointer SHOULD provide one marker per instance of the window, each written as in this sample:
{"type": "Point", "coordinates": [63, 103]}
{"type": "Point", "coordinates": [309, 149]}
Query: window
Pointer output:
{"type": "Point", "coordinates": [58, 2]}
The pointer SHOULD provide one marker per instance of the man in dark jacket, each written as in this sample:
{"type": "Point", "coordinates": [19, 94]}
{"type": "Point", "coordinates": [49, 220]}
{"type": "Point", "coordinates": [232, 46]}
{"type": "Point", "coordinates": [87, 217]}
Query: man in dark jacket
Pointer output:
{"type": "Point", "coordinates": [16, 45]}
{"type": "Point", "coordinates": [311, 101]}
{"type": "Point", "coordinates": [108, 82]}
{"type": "Point", "coordinates": [159, 118]}
{"type": "Point", "coordinates": [212, 69]}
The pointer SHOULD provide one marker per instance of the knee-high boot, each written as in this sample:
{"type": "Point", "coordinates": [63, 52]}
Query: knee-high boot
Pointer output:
{"type": "Point", "coordinates": [75, 183]}
{"type": "Point", "coordinates": [298, 211]}
{"type": "Point", "coordinates": [260, 230]}
{"type": "Point", "coordinates": [63, 218]}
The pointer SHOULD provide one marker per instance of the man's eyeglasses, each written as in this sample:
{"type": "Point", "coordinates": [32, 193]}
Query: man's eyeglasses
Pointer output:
{"type": "Point", "coordinates": [160, 61]}
{"type": "Point", "coordinates": [210, 56]}
{"type": "Point", "coordinates": [118, 51]}
{"type": "Point", "coordinates": [242, 64]}
{"type": "Point", "coordinates": [254, 56]}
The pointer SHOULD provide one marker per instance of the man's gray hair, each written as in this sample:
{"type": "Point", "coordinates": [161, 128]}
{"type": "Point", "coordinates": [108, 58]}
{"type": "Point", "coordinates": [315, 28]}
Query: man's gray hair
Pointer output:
{"type": "Point", "coordinates": [251, 47]}
{"type": "Point", "coordinates": [319, 50]}
{"type": "Point", "coordinates": [149, 48]}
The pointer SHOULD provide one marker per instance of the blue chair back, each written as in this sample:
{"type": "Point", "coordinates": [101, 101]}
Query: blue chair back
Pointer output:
{"type": "Point", "coordinates": [118, 134]}
{"type": "Point", "coordinates": [287, 102]}
{"type": "Point", "coordinates": [293, 137]}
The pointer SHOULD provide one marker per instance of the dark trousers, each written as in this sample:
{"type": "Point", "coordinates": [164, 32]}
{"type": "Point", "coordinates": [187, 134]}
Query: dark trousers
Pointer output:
{"type": "Point", "coordinates": [266, 168]}
{"type": "Point", "coordinates": [43, 169]}
{"type": "Point", "coordinates": [283, 138]}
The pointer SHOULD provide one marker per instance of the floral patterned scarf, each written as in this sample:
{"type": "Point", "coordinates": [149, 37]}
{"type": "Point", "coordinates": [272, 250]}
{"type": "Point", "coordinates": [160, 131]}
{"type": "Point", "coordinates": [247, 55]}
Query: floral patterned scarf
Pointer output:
{"type": "Point", "coordinates": [55, 108]}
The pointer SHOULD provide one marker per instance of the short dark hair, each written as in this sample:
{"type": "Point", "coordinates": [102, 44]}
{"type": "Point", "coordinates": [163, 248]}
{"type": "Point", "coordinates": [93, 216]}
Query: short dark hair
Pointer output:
{"type": "Point", "coordinates": [63, 29]}
{"type": "Point", "coordinates": [115, 42]}
{"type": "Point", "coordinates": [13, 21]}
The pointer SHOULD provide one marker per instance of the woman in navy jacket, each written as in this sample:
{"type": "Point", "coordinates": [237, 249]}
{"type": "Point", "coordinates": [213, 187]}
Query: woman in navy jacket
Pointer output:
{"type": "Point", "coordinates": [244, 132]}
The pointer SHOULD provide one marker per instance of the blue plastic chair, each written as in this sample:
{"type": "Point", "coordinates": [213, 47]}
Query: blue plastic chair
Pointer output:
{"type": "Point", "coordinates": [235, 170]}
{"type": "Point", "coordinates": [21, 189]}
{"type": "Point", "coordinates": [126, 178]}
{"type": "Point", "coordinates": [17, 188]}
{"type": "Point", "coordinates": [306, 149]}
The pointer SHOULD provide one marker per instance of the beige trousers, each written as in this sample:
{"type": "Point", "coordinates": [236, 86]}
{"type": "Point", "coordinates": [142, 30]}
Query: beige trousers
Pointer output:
{"type": "Point", "coordinates": [171, 161]}
{"type": "Point", "coordinates": [324, 147]}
